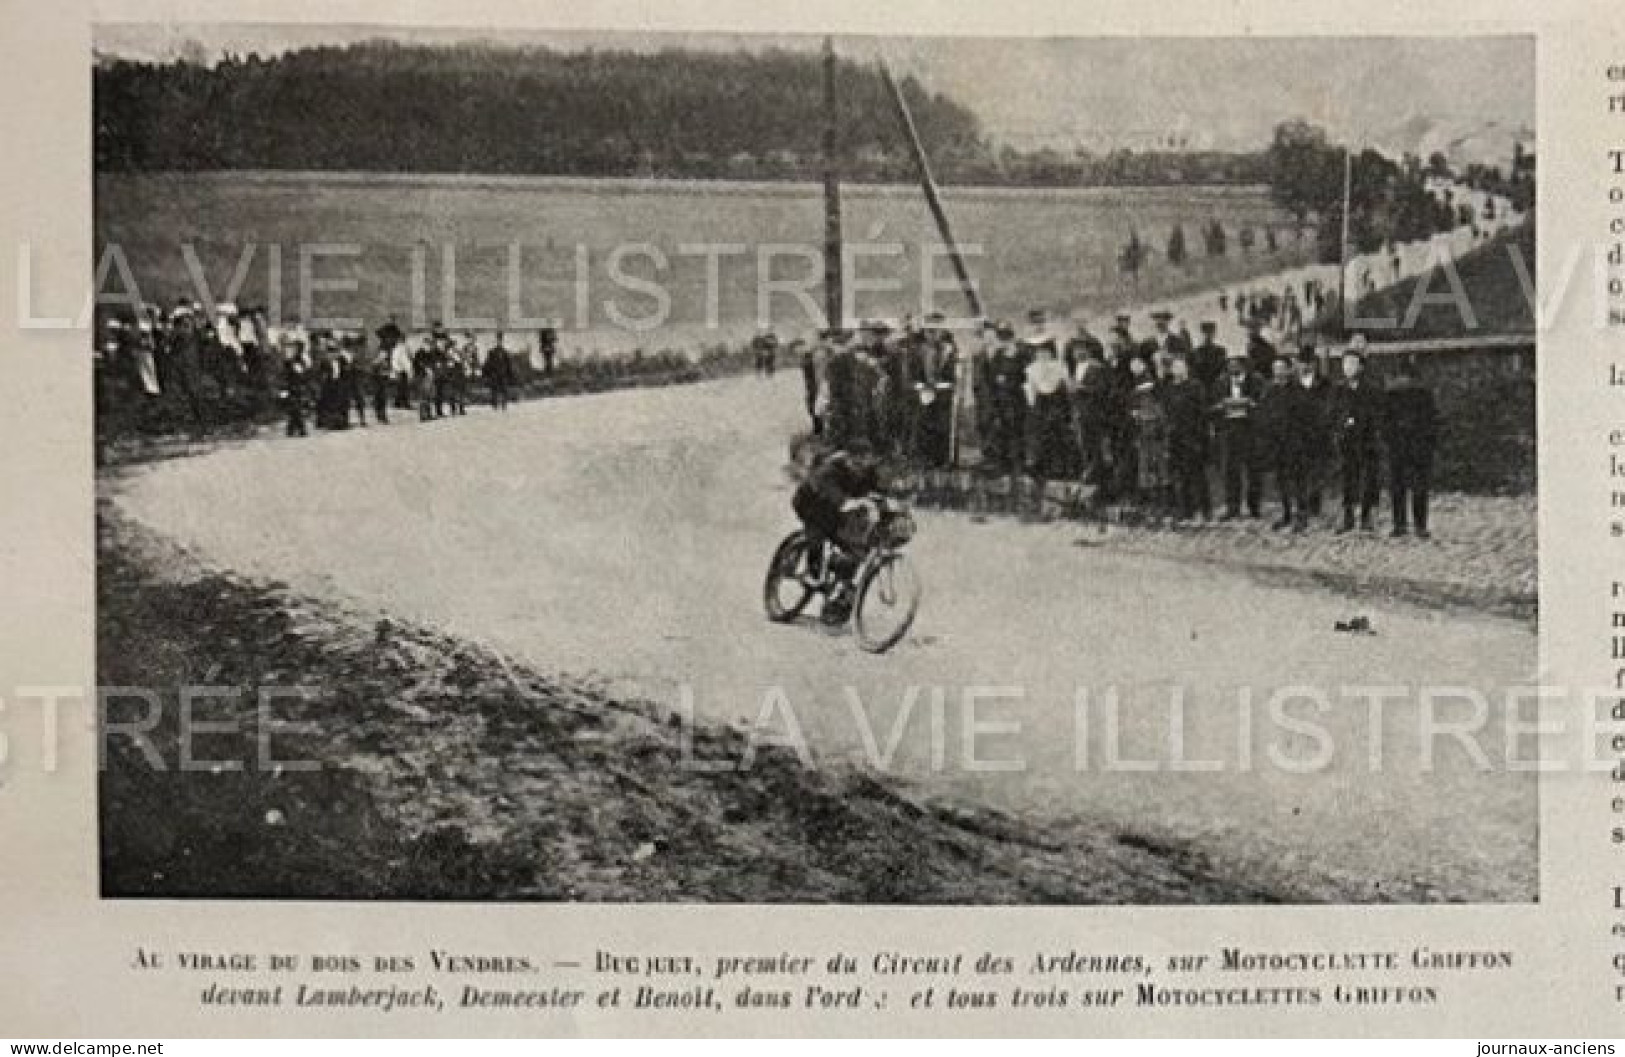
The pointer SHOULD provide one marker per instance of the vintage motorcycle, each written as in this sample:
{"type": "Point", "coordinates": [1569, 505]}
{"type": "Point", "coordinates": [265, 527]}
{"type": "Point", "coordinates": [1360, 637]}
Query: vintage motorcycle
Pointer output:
{"type": "Point", "coordinates": [883, 584]}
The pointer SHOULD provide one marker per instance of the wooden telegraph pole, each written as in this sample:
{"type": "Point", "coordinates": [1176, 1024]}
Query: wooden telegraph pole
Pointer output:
{"type": "Point", "coordinates": [832, 194]}
{"type": "Point", "coordinates": [1343, 249]}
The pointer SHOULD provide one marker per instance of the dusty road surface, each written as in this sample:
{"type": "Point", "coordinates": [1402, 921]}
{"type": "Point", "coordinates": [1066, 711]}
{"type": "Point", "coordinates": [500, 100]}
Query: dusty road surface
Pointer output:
{"type": "Point", "coordinates": [622, 539]}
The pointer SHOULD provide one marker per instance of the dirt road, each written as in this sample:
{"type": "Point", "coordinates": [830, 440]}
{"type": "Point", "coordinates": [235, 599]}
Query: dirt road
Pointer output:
{"type": "Point", "coordinates": [622, 538]}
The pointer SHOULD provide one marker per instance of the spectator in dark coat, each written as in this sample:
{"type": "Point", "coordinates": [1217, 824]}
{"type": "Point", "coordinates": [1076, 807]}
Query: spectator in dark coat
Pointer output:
{"type": "Point", "coordinates": [349, 354]}
{"type": "Point", "coordinates": [1242, 448]}
{"type": "Point", "coordinates": [547, 342]}
{"type": "Point", "coordinates": [1164, 342]}
{"type": "Point", "coordinates": [1208, 357]}
{"type": "Point", "coordinates": [425, 365]}
{"type": "Point", "coordinates": [1094, 390]}
{"type": "Point", "coordinates": [1411, 431]}
{"type": "Point", "coordinates": [1120, 430]}
{"type": "Point", "coordinates": [1261, 354]}
{"type": "Point", "coordinates": [497, 370]}
{"type": "Point", "coordinates": [870, 389]}
{"type": "Point", "coordinates": [1357, 407]}
{"type": "Point", "coordinates": [810, 383]}
{"type": "Point", "coordinates": [902, 367]}
{"type": "Point", "coordinates": [1083, 346]}
{"type": "Point", "coordinates": [1187, 404]}
{"type": "Point", "coordinates": [1292, 422]}
{"type": "Point", "coordinates": [765, 351]}
{"type": "Point", "coordinates": [296, 371]}
{"type": "Point", "coordinates": [390, 334]}
{"type": "Point", "coordinates": [391, 343]}
{"type": "Point", "coordinates": [333, 387]}
{"type": "Point", "coordinates": [1007, 376]}
{"type": "Point", "coordinates": [841, 424]}
{"type": "Point", "coordinates": [186, 362]}
{"type": "Point", "coordinates": [1324, 394]}
{"type": "Point", "coordinates": [380, 377]}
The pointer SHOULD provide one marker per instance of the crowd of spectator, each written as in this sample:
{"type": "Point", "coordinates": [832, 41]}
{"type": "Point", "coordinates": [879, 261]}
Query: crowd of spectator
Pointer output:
{"type": "Point", "coordinates": [1156, 422]}
{"type": "Point", "coordinates": [235, 357]}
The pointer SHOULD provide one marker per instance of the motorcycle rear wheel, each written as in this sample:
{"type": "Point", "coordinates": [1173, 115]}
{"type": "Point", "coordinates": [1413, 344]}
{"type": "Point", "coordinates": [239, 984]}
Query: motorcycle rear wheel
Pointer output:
{"type": "Point", "coordinates": [788, 587]}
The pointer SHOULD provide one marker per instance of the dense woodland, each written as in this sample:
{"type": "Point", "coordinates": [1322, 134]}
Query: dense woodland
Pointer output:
{"type": "Point", "coordinates": [384, 106]}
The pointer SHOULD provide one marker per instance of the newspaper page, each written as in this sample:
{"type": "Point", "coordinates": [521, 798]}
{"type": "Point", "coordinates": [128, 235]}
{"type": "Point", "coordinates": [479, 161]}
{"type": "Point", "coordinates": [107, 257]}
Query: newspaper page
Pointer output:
{"type": "Point", "coordinates": [771, 519]}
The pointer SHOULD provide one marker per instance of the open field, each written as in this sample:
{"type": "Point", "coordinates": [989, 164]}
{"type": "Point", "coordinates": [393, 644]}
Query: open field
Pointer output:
{"type": "Point", "coordinates": [1056, 249]}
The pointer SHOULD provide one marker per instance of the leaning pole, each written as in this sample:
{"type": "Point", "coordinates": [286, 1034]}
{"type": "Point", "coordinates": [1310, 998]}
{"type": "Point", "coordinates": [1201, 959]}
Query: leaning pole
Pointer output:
{"type": "Point", "coordinates": [922, 167]}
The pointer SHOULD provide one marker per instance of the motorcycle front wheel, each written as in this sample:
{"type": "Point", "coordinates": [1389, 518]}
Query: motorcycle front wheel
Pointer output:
{"type": "Point", "coordinates": [888, 597]}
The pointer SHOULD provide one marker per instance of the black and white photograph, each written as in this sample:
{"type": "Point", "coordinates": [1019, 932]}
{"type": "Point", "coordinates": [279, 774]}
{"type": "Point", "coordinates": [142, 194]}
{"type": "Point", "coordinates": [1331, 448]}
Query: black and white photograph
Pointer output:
{"type": "Point", "coordinates": [682, 467]}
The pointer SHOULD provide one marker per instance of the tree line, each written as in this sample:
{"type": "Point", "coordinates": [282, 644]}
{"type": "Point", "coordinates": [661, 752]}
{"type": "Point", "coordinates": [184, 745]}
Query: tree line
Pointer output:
{"type": "Point", "coordinates": [383, 106]}
{"type": "Point", "coordinates": [1390, 200]}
